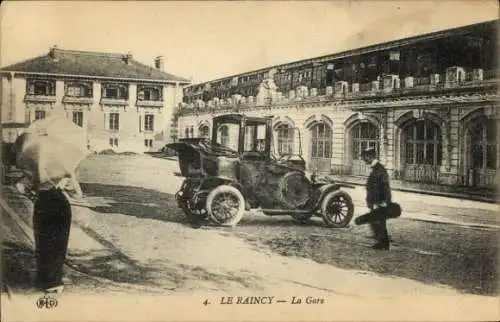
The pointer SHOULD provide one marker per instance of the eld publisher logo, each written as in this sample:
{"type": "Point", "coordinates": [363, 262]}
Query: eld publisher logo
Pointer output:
{"type": "Point", "coordinates": [46, 302]}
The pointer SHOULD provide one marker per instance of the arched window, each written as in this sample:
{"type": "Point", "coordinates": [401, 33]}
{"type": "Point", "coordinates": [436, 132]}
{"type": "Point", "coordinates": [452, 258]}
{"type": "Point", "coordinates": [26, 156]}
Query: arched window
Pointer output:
{"type": "Point", "coordinates": [224, 135]}
{"type": "Point", "coordinates": [285, 139]}
{"type": "Point", "coordinates": [321, 137]}
{"type": "Point", "coordinates": [422, 143]}
{"type": "Point", "coordinates": [204, 131]}
{"type": "Point", "coordinates": [483, 144]}
{"type": "Point", "coordinates": [364, 135]}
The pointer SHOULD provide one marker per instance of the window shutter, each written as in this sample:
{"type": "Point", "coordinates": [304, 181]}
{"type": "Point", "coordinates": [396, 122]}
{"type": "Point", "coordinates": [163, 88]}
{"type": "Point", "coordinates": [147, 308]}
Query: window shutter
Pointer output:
{"type": "Point", "coordinates": [141, 124]}
{"type": "Point", "coordinates": [106, 121]}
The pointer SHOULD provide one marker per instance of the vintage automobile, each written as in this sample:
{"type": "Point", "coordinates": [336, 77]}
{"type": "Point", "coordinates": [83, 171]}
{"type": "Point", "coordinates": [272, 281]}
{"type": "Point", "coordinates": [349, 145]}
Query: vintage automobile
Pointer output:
{"type": "Point", "coordinates": [235, 171]}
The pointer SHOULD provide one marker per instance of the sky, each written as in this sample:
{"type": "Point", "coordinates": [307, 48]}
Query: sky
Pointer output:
{"type": "Point", "coordinates": [205, 40]}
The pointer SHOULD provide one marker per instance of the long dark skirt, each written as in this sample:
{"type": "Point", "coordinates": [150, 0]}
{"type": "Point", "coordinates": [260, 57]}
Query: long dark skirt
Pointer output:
{"type": "Point", "coordinates": [51, 223]}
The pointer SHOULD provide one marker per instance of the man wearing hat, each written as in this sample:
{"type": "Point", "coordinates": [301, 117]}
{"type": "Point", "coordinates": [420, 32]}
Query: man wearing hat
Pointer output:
{"type": "Point", "coordinates": [378, 196]}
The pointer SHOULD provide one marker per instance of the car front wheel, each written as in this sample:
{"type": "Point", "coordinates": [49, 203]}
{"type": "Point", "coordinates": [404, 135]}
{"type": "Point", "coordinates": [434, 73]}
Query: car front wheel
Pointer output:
{"type": "Point", "coordinates": [225, 205]}
{"type": "Point", "coordinates": [337, 209]}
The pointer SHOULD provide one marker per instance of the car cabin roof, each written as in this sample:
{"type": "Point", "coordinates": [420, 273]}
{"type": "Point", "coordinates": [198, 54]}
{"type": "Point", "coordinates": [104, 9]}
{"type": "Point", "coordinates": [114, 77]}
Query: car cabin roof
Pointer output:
{"type": "Point", "coordinates": [237, 118]}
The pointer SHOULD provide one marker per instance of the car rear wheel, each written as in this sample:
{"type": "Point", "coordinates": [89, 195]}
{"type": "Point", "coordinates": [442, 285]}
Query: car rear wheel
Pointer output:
{"type": "Point", "coordinates": [337, 209]}
{"type": "Point", "coordinates": [225, 205]}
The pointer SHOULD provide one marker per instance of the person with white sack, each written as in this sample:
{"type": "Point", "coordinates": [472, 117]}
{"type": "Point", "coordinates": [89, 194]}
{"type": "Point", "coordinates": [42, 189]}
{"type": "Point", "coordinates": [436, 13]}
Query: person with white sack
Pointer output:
{"type": "Point", "coordinates": [48, 155]}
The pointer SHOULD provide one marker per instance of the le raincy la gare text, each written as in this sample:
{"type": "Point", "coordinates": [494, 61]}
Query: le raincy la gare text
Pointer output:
{"type": "Point", "coordinates": [271, 300]}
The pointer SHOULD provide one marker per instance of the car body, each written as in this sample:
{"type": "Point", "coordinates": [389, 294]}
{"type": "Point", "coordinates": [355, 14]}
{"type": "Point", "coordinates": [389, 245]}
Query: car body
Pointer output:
{"type": "Point", "coordinates": [223, 179]}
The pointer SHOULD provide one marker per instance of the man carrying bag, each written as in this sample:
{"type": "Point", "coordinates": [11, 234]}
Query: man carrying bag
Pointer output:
{"type": "Point", "coordinates": [378, 200]}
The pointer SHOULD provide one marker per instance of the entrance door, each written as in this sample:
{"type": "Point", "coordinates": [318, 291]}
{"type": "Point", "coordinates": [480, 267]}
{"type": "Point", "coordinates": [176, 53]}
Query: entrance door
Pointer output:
{"type": "Point", "coordinates": [364, 135]}
{"type": "Point", "coordinates": [321, 147]}
{"type": "Point", "coordinates": [422, 152]}
{"type": "Point", "coordinates": [482, 152]}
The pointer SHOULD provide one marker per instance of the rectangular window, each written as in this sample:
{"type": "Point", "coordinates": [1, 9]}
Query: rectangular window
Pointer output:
{"type": "Point", "coordinates": [113, 141]}
{"type": "Point", "coordinates": [429, 157]}
{"type": "Point", "coordinates": [355, 151]}
{"type": "Point", "coordinates": [78, 118]}
{"type": "Point", "coordinates": [114, 121]}
{"type": "Point", "coordinates": [148, 143]}
{"type": "Point", "coordinates": [111, 93]}
{"type": "Point", "coordinates": [149, 122]}
{"type": "Point", "coordinates": [40, 87]}
{"type": "Point", "coordinates": [477, 156]}
{"type": "Point", "coordinates": [419, 153]}
{"type": "Point", "coordinates": [149, 93]}
{"type": "Point", "coordinates": [39, 115]}
{"type": "Point", "coordinates": [409, 158]}
{"type": "Point", "coordinates": [75, 91]}
{"type": "Point", "coordinates": [491, 131]}
{"type": "Point", "coordinates": [314, 150]}
{"type": "Point", "coordinates": [491, 156]}
{"type": "Point", "coordinates": [80, 89]}
{"type": "Point", "coordinates": [115, 91]}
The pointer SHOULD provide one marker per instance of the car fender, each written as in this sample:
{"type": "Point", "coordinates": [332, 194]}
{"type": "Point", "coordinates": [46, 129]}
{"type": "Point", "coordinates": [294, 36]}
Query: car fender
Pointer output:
{"type": "Point", "coordinates": [320, 193]}
{"type": "Point", "coordinates": [213, 182]}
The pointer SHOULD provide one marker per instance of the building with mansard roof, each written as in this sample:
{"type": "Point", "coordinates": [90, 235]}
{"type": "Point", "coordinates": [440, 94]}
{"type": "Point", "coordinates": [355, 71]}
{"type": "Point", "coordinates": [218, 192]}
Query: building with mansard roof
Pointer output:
{"type": "Point", "coordinates": [121, 103]}
{"type": "Point", "coordinates": [428, 104]}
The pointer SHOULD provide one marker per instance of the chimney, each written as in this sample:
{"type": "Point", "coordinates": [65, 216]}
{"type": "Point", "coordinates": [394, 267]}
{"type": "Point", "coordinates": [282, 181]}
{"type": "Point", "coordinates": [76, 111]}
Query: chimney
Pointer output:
{"type": "Point", "coordinates": [128, 58]}
{"type": "Point", "coordinates": [159, 62]}
{"type": "Point", "coordinates": [52, 52]}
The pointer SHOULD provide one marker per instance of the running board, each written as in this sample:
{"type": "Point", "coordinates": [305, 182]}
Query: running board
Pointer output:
{"type": "Point", "coordinates": [284, 211]}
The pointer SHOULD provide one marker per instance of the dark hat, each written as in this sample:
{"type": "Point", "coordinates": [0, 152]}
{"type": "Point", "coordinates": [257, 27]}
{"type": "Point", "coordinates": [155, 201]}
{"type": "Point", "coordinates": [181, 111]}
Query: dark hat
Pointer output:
{"type": "Point", "coordinates": [369, 152]}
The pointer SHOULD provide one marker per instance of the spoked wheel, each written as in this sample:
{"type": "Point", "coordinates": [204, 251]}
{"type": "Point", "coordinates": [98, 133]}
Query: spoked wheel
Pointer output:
{"type": "Point", "coordinates": [225, 205]}
{"type": "Point", "coordinates": [337, 209]}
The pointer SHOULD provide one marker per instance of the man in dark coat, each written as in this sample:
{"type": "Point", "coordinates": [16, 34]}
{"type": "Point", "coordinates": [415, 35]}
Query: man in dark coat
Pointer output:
{"type": "Point", "coordinates": [378, 196]}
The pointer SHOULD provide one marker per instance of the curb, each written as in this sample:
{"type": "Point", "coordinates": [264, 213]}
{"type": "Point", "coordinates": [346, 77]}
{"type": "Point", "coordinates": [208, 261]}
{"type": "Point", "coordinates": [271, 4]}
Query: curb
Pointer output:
{"type": "Point", "coordinates": [433, 193]}
{"type": "Point", "coordinates": [28, 232]}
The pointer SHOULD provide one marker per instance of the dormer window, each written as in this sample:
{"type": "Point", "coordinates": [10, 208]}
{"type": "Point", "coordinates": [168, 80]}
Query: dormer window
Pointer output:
{"type": "Point", "coordinates": [115, 91]}
{"type": "Point", "coordinates": [39, 87]}
{"type": "Point", "coordinates": [149, 93]}
{"type": "Point", "coordinates": [78, 89]}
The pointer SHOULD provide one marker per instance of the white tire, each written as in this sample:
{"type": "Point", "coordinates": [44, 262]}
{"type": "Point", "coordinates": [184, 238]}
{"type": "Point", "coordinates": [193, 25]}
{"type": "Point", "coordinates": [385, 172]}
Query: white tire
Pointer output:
{"type": "Point", "coordinates": [225, 205]}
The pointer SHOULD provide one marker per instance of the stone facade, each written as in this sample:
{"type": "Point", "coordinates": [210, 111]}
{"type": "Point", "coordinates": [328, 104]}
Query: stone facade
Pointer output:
{"type": "Point", "coordinates": [133, 115]}
{"type": "Point", "coordinates": [428, 104]}
{"type": "Point", "coordinates": [446, 114]}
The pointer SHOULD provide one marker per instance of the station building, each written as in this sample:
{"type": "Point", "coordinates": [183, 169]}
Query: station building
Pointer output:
{"type": "Point", "coordinates": [122, 104]}
{"type": "Point", "coordinates": [428, 104]}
